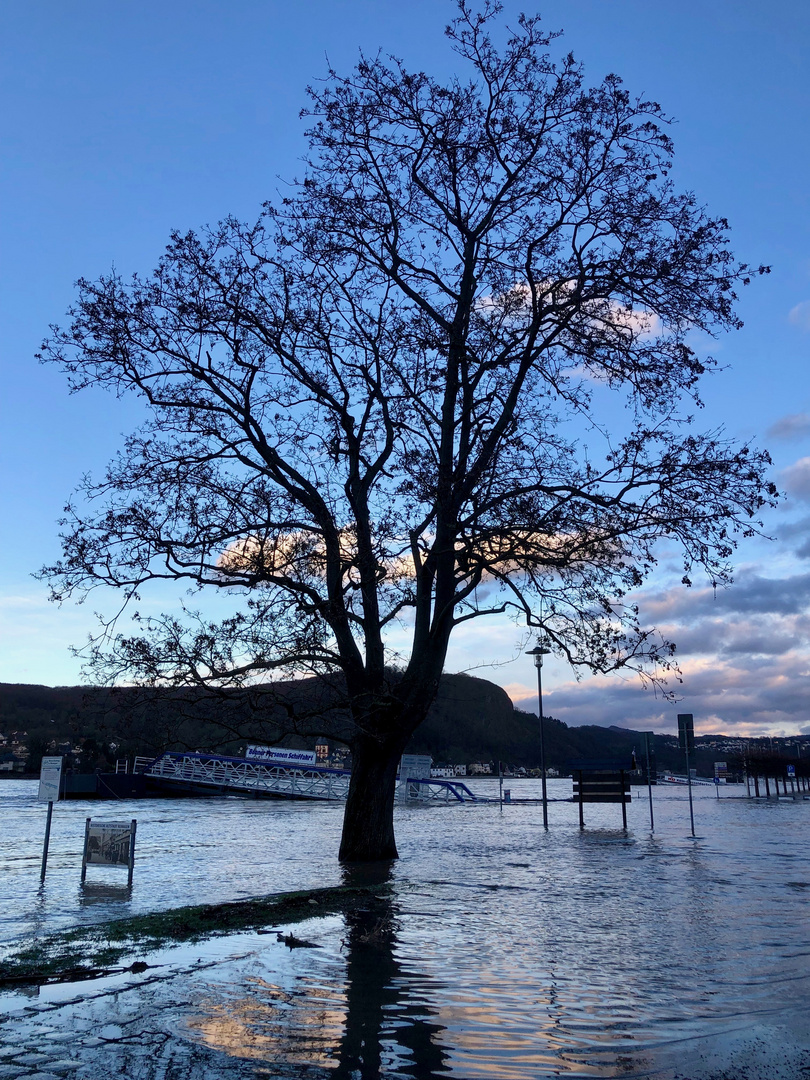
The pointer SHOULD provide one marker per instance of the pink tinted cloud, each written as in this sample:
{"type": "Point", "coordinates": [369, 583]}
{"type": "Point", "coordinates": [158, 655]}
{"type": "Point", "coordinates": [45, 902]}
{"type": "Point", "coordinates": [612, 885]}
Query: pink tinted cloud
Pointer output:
{"type": "Point", "coordinates": [769, 698]}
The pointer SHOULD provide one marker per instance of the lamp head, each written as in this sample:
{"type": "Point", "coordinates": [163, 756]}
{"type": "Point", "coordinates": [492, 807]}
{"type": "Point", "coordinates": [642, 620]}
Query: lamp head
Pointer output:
{"type": "Point", "coordinates": [538, 652]}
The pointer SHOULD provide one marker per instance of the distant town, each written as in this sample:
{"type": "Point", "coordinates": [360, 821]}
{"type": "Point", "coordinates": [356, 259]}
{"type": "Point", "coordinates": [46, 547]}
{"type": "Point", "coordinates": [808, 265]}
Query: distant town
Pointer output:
{"type": "Point", "coordinates": [20, 755]}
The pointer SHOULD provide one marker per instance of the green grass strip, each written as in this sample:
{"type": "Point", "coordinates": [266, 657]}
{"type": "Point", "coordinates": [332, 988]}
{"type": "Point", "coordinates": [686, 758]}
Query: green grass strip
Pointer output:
{"type": "Point", "coordinates": [91, 951]}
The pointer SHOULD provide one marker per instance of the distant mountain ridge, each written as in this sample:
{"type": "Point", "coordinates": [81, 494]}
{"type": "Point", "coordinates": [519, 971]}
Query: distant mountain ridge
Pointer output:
{"type": "Point", "coordinates": [472, 720]}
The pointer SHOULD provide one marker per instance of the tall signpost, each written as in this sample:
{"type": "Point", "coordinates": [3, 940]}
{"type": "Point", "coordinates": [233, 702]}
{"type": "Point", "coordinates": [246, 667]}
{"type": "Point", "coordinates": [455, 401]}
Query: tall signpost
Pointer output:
{"type": "Point", "coordinates": [720, 774]}
{"type": "Point", "coordinates": [648, 737]}
{"type": "Point", "coordinates": [50, 780]}
{"type": "Point", "coordinates": [538, 652]}
{"type": "Point", "coordinates": [686, 741]}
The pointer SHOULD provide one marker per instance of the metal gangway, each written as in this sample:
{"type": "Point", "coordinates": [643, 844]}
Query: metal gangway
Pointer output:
{"type": "Point", "coordinates": [675, 778]}
{"type": "Point", "coordinates": [188, 772]}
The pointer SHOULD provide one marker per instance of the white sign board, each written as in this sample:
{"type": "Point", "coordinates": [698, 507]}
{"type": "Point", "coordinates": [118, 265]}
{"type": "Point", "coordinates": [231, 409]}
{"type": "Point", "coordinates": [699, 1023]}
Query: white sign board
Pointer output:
{"type": "Point", "coordinates": [415, 767]}
{"type": "Point", "coordinates": [50, 778]}
{"type": "Point", "coordinates": [108, 843]}
{"type": "Point", "coordinates": [280, 755]}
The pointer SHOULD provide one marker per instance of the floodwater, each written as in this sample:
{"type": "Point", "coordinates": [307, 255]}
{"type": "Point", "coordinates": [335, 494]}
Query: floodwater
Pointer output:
{"type": "Point", "coordinates": [505, 952]}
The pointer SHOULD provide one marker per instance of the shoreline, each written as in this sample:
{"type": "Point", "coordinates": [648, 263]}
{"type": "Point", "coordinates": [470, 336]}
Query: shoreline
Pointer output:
{"type": "Point", "coordinates": [90, 952]}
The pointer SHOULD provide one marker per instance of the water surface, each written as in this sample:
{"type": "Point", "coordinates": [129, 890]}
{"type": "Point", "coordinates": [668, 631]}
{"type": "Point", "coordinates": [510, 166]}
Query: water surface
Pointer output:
{"type": "Point", "coordinates": [505, 952]}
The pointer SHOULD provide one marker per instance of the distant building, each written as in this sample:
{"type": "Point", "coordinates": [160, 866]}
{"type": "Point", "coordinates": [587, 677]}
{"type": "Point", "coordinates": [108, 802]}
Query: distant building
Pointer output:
{"type": "Point", "coordinates": [11, 763]}
{"type": "Point", "coordinates": [479, 768]}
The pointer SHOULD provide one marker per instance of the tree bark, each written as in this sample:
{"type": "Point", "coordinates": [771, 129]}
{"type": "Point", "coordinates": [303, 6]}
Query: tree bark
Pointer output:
{"type": "Point", "coordinates": [368, 822]}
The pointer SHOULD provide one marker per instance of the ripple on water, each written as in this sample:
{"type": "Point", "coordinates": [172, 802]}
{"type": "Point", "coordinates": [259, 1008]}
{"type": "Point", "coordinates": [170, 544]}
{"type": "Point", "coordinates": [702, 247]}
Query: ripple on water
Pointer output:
{"type": "Point", "coordinates": [505, 952]}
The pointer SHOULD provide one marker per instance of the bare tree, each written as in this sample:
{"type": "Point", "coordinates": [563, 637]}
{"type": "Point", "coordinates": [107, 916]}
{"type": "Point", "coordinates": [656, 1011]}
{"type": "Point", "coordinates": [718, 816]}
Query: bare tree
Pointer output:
{"type": "Point", "coordinates": [448, 376]}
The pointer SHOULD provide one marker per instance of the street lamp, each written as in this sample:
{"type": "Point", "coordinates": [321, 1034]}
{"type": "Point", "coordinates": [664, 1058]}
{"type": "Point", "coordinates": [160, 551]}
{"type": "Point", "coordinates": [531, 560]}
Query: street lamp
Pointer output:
{"type": "Point", "coordinates": [538, 652]}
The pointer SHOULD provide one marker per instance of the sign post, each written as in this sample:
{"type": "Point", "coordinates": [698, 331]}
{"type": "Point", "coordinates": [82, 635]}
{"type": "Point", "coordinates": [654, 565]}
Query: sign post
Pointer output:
{"type": "Point", "coordinates": [720, 774]}
{"type": "Point", "coordinates": [648, 737]}
{"type": "Point", "coordinates": [686, 741]}
{"type": "Point", "coordinates": [50, 780]}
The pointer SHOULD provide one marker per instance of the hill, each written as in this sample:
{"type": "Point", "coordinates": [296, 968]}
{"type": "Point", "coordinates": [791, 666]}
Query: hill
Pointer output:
{"type": "Point", "coordinates": [471, 720]}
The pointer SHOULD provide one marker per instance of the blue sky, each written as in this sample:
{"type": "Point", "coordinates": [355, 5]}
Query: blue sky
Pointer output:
{"type": "Point", "coordinates": [121, 122]}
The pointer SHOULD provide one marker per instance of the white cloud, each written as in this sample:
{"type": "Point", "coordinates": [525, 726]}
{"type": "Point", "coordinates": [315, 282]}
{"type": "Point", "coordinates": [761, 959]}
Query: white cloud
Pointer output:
{"type": "Point", "coordinates": [800, 315]}
{"type": "Point", "coordinates": [796, 479]}
{"type": "Point", "coordinates": [524, 697]}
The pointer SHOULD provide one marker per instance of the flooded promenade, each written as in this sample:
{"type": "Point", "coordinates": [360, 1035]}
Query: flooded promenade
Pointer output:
{"type": "Point", "coordinates": [500, 951]}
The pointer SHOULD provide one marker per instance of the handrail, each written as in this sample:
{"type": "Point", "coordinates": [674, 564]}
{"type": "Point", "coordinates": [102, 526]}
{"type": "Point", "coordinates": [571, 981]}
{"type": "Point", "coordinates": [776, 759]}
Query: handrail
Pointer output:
{"type": "Point", "coordinates": [283, 778]}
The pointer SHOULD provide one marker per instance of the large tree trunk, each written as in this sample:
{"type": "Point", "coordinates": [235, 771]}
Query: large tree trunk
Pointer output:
{"type": "Point", "coordinates": [368, 823]}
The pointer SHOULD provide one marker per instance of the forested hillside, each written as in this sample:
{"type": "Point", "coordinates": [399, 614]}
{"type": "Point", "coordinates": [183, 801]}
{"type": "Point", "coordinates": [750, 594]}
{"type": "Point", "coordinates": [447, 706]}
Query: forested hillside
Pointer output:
{"type": "Point", "coordinates": [472, 720]}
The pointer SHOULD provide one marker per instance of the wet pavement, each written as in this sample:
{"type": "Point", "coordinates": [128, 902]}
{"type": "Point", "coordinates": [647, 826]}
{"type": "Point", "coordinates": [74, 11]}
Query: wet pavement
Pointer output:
{"type": "Point", "coordinates": [248, 1006]}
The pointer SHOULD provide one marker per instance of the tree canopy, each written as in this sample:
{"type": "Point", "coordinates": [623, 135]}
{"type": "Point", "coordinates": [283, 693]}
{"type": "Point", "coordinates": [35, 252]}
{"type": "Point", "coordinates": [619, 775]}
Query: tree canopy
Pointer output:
{"type": "Point", "coordinates": [449, 375]}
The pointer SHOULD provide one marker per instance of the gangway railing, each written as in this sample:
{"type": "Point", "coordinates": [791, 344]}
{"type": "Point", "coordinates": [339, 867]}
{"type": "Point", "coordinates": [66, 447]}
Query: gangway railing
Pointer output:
{"type": "Point", "coordinates": [438, 791]}
{"type": "Point", "coordinates": [675, 778]}
{"type": "Point", "coordinates": [198, 770]}
{"type": "Point", "coordinates": [253, 777]}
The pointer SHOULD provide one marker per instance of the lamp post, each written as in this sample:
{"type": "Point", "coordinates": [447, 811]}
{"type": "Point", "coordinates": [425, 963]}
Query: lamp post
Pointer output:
{"type": "Point", "coordinates": [538, 652]}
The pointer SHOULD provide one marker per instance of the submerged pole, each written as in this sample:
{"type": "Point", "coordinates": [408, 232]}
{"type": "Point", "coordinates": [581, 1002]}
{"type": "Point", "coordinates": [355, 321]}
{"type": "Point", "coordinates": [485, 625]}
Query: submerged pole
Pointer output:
{"type": "Point", "coordinates": [686, 741]}
{"type": "Point", "coordinates": [689, 785]}
{"type": "Point", "coordinates": [47, 841]}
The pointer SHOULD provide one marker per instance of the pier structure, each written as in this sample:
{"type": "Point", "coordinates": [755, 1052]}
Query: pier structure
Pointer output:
{"type": "Point", "coordinates": [766, 772]}
{"type": "Point", "coordinates": [176, 772]}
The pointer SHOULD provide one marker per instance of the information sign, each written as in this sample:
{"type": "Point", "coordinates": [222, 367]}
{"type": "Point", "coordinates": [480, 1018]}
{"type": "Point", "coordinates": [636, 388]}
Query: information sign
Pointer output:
{"type": "Point", "coordinates": [791, 770]}
{"type": "Point", "coordinates": [414, 767]}
{"type": "Point", "coordinates": [50, 779]}
{"type": "Point", "coordinates": [686, 732]}
{"type": "Point", "coordinates": [280, 755]}
{"type": "Point", "coordinates": [109, 843]}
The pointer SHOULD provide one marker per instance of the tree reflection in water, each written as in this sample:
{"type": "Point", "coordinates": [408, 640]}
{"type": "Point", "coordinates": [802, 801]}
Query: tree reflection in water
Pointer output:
{"type": "Point", "coordinates": [361, 1017]}
{"type": "Point", "coordinates": [387, 1027]}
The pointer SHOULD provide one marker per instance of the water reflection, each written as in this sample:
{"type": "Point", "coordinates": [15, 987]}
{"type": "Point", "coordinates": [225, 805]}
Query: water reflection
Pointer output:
{"type": "Point", "coordinates": [358, 1014]}
{"type": "Point", "coordinates": [98, 892]}
{"type": "Point", "coordinates": [388, 1023]}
